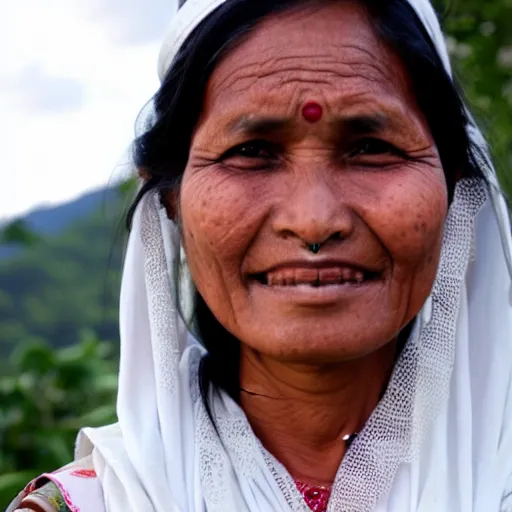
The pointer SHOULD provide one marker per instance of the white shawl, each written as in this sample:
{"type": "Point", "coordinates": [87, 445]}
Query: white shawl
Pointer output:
{"type": "Point", "coordinates": [440, 440]}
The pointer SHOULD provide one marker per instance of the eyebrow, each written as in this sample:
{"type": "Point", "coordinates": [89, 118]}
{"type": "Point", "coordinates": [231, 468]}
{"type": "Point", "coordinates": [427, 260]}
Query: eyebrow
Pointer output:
{"type": "Point", "coordinates": [260, 126]}
{"type": "Point", "coordinates": [364, 124]}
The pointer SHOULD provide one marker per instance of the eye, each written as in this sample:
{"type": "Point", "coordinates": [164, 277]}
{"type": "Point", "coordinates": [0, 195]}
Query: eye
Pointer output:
{"type": "Point", "coordinates": [251, 155]}
{"type": "Point", "coordinates": [373, 147]}
{"type": "Point", "coordinates": [251, 149]}
{"type": "Point", "coordinates": [375, 153]}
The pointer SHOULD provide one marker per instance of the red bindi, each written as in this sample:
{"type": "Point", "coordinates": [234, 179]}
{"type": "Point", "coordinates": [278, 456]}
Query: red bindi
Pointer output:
{"type": "Point", "coordinates": [312, 112]}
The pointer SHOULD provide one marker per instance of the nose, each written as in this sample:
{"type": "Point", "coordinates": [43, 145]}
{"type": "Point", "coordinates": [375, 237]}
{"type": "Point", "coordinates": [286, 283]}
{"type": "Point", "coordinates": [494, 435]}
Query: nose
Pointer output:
{"type": "Point", "coordinates": [314, 213]}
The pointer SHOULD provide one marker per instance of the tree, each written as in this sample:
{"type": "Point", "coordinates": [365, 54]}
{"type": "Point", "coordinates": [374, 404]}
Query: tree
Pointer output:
{"type": "Point", "coordinates": [479, 38]}
{"type": "Point", "coordinates": [17, 233]}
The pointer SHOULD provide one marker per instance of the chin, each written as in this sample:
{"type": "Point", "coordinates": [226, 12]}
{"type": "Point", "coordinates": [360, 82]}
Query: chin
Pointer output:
{"type": "Point", "coordinates": [321, 345]}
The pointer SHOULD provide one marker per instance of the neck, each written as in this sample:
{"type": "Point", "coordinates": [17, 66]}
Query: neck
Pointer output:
{"type": "Point", "coordinates": [301, 413]}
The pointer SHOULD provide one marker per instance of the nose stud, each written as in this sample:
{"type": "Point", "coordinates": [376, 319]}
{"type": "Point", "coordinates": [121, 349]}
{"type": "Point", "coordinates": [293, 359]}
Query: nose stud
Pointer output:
{"type": "Point", "coordinates": [314, 248]}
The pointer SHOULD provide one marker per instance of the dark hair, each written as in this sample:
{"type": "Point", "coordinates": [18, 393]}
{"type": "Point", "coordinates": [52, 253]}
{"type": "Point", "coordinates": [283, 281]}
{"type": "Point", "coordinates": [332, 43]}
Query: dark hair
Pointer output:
{"type": "Point", "coordinates": [161, 152]}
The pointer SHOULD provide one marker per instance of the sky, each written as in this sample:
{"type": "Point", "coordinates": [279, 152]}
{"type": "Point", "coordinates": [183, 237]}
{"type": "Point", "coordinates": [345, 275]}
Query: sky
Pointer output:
{"type": "Point", "coordinates": [74, 75]}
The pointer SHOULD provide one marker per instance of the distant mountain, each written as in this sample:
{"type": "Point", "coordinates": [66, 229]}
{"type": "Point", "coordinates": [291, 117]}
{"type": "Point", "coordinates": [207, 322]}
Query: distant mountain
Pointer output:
{"type": "Point", "coordinates": [53, 220]}
{"type": "Point", "coordinates": [49, 221]}
{"type": "Point", "coordinates": [65, 279]}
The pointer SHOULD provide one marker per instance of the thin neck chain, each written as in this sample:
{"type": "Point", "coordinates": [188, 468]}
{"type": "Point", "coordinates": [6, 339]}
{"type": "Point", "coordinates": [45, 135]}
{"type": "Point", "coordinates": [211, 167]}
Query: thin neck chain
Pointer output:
{"type": "Point", "coordinates": [349, 439]}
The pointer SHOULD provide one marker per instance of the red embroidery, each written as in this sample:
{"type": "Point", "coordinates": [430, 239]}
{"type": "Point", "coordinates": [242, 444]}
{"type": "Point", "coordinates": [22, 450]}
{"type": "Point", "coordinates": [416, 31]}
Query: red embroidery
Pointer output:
{"type": "Point", "coordinates": [316, 498]}
{"type": "Point", "coordinates": [84, 473]}
{"type": "Point", "coordinates": [31, 487]}
{"type": "Point", "coordinates": [65, 494]}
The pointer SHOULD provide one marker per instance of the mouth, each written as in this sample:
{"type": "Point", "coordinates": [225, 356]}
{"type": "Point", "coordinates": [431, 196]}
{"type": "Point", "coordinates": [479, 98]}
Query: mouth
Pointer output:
{"type": "Point", "coordinates": [316, 277]}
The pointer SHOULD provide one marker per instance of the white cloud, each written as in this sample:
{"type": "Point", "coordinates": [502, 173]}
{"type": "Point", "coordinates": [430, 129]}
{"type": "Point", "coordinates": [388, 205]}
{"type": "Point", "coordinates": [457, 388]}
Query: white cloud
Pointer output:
{"type": "Point", "coordinates": [32, 89]}
{"type": "Point", "coordinates": [132, 21]}
{"type": "Point", "coordinates": [69, 96]}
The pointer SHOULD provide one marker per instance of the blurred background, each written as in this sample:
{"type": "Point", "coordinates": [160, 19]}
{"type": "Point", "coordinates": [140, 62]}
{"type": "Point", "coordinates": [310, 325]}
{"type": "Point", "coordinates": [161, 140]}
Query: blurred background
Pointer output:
{"type": "Point", "coordinates": [73, 77]}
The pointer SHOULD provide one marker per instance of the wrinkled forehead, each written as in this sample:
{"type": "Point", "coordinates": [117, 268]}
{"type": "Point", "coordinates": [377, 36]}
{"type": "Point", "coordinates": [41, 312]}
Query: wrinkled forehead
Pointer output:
{"type": "Point", "coordinates": [328, 51]}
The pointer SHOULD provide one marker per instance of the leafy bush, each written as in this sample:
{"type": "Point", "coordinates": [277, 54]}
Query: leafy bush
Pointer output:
{"type": "Point", "coordinates": [479, 37]}
{"type": "Point", "coordinates": [48, 396]}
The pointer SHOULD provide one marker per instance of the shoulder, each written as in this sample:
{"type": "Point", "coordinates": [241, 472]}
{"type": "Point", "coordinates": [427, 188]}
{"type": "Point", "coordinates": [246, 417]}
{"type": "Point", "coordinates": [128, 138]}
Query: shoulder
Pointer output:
{"type": "Point", "coordinates": [47, 498]}
{"type": "Point", "coordinates": [70, 489]}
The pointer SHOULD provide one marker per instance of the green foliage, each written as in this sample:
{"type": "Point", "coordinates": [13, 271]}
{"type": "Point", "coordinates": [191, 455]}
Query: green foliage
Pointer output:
{"type": "Point", "coordinates": [18, 233]}
{"type": "Point", "coordinates": [55, 375]}
{"type": "Point", "coordinates": [62, 285]}
{"type": "Point", "coordinates": [50, 394]}
{"type": "Point", "coordinates": [480, 43]}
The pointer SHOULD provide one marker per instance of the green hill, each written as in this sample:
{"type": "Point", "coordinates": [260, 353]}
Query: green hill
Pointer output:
{"type": "Point", "coordinates": [65, 283]}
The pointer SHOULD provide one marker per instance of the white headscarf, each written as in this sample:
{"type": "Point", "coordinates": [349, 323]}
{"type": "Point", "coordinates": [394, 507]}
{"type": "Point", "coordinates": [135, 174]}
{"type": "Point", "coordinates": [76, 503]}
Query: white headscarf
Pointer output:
{"type": "Point", "coordinates": [440, 439]}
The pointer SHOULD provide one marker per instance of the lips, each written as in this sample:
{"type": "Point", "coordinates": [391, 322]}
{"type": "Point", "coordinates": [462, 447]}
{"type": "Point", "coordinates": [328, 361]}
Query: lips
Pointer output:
{"type": "Point", "coordinates": [314, 276]}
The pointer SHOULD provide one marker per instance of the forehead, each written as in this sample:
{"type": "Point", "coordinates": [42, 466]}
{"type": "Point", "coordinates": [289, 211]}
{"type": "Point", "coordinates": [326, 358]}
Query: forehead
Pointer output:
{"type": "Point", "coordinates": [329, 52]}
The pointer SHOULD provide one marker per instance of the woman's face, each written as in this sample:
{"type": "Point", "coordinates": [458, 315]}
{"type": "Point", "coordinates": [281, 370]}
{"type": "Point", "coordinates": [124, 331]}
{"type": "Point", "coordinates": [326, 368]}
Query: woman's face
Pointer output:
{"type": "Point", "coordinates": [263, 181]}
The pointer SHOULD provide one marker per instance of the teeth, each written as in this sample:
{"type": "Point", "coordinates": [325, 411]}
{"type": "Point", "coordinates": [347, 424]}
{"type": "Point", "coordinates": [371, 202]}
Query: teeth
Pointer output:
{"type": "Point", "coordinates": [289, 278]}
{"type": "Point", "coordinates": [315, 277]}
{"type": "Point", "coordinates": [306, 276]}
{"type": "Point", "coordinates": [359, 277]}
{"type": "Point", "coordinates": [330, 275]}
{"type": "Point", "coordinates": [348, 274]}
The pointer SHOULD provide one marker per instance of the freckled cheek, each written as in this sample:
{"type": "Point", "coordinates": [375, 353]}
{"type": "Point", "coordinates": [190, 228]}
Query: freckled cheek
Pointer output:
{"type": "Point", "coordinates": [219, 221]}
{"type": "Point", "coordinates": [411, 226]}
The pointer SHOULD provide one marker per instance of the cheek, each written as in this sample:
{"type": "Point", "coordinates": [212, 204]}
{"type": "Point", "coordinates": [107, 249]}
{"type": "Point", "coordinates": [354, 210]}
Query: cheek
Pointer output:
{"type": "Point", "coordinates": [414, 227]}
{"type": "Point", "coordinates": [220, 216]}
{"type": "Point", "coordinates": [410, 224]}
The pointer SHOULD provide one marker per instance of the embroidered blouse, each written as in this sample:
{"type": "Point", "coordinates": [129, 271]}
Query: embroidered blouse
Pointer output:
{"type": "Point", "coordinates": [52, 492]}
{"type": "Point", "coordinates": [49, 498]}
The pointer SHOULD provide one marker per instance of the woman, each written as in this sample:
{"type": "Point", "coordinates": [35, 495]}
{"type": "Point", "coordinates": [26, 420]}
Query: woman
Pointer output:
{"type": "Point", "coordinates": [315, 310]}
